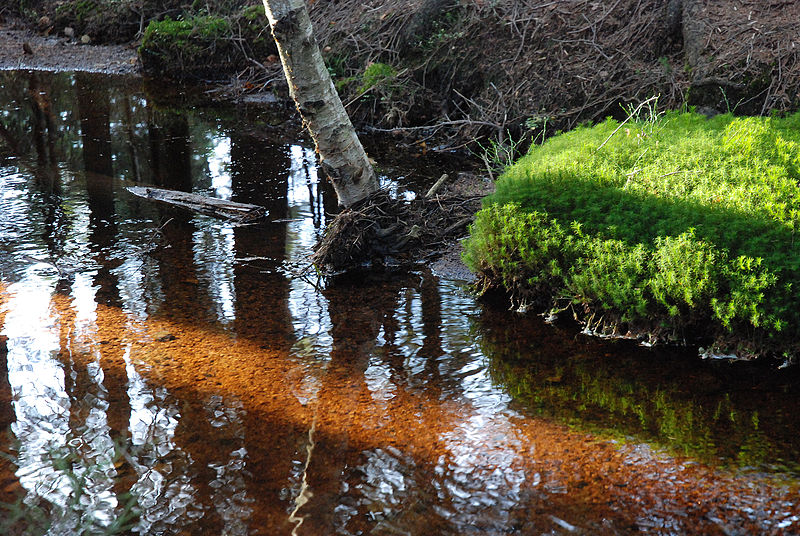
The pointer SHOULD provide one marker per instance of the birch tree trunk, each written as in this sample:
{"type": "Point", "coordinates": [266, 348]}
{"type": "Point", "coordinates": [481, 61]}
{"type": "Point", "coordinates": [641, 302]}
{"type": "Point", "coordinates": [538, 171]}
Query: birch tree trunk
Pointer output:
{"type": "Point", "coordinates": [342, 157]}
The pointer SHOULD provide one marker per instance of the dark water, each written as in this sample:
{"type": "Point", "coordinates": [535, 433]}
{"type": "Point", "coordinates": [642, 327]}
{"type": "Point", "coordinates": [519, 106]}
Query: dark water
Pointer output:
{"type": "Point", "coordinates": [167, 373]}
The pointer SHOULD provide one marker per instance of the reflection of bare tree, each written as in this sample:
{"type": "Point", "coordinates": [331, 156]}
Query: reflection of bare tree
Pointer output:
{"type": "Point", "coordinates": [170, 149]}
{"type": "Point", "coordinates": [28, 126]}
{"type": "Point", "coordinates": [56, 225]}
{"type": "Point", "coordinates": [94, 112]}
{"type": "Point", "coordinates": [95, 116]}
{"type": "Point", "coordinates": [178, 273]}
{"type": "Point", "coordinates": [132, 141]}
{"type": "Point", "coordinates": [91, 393]}
{"type": "Point", "coordinates": [262, 290]}
{"type": "Point", "coordinates": [171, 158]}
{"type": "Point", "coordinates": [11, 141]}
{"type": "Point", "coordinates": [44, 131]}
{"type": "Point", "coordinates": [258, 173]}
{"type": "Point", "coordinates": [431, 317]}
{"type": "Point", "coordinates": [6, 411]}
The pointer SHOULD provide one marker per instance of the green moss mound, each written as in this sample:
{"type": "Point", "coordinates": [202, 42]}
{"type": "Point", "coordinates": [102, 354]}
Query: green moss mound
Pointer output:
{"type": "Point", "coordinates": [678, 226]}
{"type": "Point", "coordinates": [205, 46]}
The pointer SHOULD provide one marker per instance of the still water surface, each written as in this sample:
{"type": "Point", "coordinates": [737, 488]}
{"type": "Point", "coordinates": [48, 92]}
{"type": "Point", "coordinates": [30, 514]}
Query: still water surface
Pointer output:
{"type": "Point", "coordinates": [168, 373]}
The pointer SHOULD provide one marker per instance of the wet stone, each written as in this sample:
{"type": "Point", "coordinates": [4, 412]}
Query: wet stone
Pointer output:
{"type": "Point", "coordinates": [163, 336]}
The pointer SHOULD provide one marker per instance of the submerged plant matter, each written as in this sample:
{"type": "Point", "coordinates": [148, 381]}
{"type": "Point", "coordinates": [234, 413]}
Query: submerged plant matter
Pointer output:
{"type": "Point", "coordinates": [680, 226]}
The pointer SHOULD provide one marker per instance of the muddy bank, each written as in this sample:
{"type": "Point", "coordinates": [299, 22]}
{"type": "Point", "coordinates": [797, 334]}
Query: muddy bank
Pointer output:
{"type": "Point", "coordinates": [24, 49]}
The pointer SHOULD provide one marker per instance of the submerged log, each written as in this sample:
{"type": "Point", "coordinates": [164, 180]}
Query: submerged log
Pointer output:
{"type": "Point", "coordinates": [211, 206]}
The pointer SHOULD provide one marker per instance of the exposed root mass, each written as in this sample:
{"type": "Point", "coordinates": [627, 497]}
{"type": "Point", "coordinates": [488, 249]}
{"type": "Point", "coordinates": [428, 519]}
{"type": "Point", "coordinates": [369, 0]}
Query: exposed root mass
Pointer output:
{"type": "Point", "coordinates": [394, 233]}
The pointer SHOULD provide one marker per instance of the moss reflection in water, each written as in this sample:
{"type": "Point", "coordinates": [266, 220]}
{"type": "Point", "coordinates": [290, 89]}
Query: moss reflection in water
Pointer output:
{"type": "Point", "coordinates": [714, 412]}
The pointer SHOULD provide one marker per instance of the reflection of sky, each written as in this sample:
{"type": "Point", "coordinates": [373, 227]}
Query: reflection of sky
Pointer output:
{"type": "Point", "coordinates": [378, 378]}
{"type": "Point", "coordinates": [165, 492]}
{"type": "Point", "coordinates": [12, 207]}
{"type": "Point", "coordinates": [61, 438]}
{"type": "Point", "coordinates": [94, 431]}
{"type": "Point", "coordinates": [132, 285]}
{"type": "Point", "coordinates": [219, 165]}
{"type": "Point", "coordinates": [214, 254]}
{"type": "Point", "coordinates": [83, 300]}
{"type": "Point", "coordinates": [213, 242]}
{"type": "Point", "coordinates": [37, 381]}
{"type": "Point", "coordinates": [485, 468]}
{"type": "Point", "coordinates": [307, 306]}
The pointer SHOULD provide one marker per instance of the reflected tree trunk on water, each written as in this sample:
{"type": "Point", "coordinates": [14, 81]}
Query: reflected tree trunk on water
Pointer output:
{"type": "Point", "coordinates": [95, 118]}
{"type": "Point", "coordinates": [12, 142]}
{"type": "Point", "coordinates": [262, 289]}
{"type": "Point", "coordinates": [258, 175]}
{"type": "Point", "coordinates": [170, 149]}
{"type": "Point", "coordinates": [205, 445]}
{"type": "Point", "coordinates": [6, 409]}
{"type": "Point", "coordinates": [154, 139]}
{"type": "Point", "coordinates": [431, 349]}
{"type": "Point", "coordinates": [184, 299]}
{"type": "Point", "coordinates": [28, 131]}
{"type": "Point", "coordinates": [44, 130]}
{"type": "Point", "coordinates": [47, 177]}
{"type": "Point", "coordinates": [94, 112]}
{"type": "Point", "coordinates": [132, 141]}
{"type": "Point", "coordinates": [9, 487]}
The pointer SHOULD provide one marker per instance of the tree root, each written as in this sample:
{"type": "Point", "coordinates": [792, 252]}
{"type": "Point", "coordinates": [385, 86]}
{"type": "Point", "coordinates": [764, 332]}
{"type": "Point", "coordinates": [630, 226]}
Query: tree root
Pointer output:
{"type": "Point", "coordinates": [383, 232]}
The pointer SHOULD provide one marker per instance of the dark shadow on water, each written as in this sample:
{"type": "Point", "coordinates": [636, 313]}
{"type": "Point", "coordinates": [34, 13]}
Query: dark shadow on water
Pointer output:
{"type": "Point", "coordinates": [737, 414]}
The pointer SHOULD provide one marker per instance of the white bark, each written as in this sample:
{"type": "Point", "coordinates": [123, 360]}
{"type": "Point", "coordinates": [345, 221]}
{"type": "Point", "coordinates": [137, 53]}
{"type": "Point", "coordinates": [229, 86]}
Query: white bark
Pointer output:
{"type": "Point", "coordinates": [342, 156]}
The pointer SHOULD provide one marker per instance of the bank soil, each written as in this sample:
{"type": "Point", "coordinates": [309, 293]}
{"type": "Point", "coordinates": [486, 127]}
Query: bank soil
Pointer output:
{"type": "Point", "coordinates": [22, 48]}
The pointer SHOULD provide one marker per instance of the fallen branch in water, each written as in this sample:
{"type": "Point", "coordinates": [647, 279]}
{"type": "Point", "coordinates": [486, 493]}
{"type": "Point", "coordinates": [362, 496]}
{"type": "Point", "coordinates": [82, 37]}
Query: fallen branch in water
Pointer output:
{"type": "Point", "coordinates": [211, 206]}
